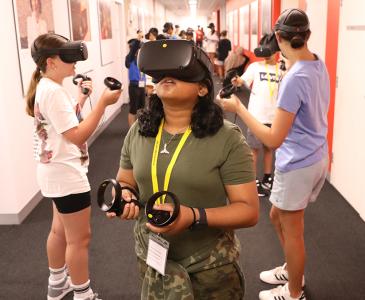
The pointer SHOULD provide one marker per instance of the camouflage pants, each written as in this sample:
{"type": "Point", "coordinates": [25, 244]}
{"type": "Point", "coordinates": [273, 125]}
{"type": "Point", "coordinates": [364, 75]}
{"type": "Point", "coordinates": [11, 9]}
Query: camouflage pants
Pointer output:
{"type": "Point", "coordinates": [218, 283]}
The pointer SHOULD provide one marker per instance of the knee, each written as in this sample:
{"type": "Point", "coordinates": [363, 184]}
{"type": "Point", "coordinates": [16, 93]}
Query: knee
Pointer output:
{"type": "Point", "coordinates": [80, 240]}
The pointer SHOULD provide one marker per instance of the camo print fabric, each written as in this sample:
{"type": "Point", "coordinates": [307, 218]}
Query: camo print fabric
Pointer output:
{"type": "Point", "coordinates": [212, 273]}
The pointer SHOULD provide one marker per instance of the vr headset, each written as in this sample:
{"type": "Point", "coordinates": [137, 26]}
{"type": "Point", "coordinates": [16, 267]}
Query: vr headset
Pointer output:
{"type": "Point", "coordinates": [269, 45]}
{"type": "Point", "coordinates": [179, 59]}
{"type": "Point", "coordinates": [70, 52]}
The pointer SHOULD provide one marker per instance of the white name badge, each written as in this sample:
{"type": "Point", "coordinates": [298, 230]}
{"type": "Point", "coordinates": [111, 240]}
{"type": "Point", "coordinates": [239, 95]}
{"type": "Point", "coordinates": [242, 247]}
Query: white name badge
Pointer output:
{"type": "Point", "coordinates": [141, 83]}
{"type": "Point", "coordinates": [157, 253]}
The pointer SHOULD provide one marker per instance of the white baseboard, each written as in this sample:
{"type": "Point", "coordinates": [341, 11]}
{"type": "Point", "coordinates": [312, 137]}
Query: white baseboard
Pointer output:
{"type": "Point", "coordinates": [18, 218]}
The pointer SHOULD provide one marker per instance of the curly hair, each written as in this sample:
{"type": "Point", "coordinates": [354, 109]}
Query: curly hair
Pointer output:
{"type": "Point", "coordinates": [206, 118]}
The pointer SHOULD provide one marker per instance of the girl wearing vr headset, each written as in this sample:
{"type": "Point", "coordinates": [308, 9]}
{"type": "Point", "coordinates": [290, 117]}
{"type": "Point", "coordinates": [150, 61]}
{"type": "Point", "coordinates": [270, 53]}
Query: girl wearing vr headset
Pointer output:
{"type": "Point", "coordinates": [61, 152]}
{"type": "Point", "coordinates": [212, 163]}
{"type": "Point", "coordinates": [299, 132]}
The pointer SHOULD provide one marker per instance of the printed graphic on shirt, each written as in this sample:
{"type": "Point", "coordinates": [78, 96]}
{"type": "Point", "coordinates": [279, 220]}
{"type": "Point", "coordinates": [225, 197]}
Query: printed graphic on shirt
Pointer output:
{"type": "Point", "coordinates": [273, 77]}
{"type": "Point", "coordinates": [41, 136]}
{"type": "Point", "coordinates": [83, 148]}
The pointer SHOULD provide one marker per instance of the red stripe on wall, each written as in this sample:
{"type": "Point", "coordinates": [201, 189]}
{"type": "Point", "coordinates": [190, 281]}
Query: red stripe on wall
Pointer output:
{"type": "Point", "coordinates": [333, 20]}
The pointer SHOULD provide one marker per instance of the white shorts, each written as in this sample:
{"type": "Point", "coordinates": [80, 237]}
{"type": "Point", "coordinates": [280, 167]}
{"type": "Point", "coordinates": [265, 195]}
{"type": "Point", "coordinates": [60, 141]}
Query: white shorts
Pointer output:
{"type": "Point", "coordinates": [293, 190]}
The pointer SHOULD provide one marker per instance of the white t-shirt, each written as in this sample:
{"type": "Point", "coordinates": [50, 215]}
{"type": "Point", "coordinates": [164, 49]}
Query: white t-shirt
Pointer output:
{"type": "Point", "coordinates": [62, 166]}
{"type": "Point", "coordinates": [211, 42]}
{"type": "Point", "coordinates": [263, 96]}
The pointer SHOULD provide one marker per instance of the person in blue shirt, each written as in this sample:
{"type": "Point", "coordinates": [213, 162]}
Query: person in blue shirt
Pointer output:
{"type": "Point", "coordinates": [299, 132]}
{"type": "Point", "coordinates": [137, 81]}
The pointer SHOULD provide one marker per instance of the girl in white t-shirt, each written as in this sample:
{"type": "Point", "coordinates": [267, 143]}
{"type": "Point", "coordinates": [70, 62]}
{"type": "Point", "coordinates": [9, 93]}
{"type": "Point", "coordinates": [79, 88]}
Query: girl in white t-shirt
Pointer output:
{"type": "Point", "coordinates": [264, 78]}
{"type": "Point", "coordinates": [61, 152]}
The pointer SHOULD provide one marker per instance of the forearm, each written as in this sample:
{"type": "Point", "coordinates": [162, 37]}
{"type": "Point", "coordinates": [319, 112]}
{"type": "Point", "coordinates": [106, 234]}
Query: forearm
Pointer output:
{"type": "Point", "coordinates": [89, 124]}
{"type": "Point", "coordinates": [233, 216]}
{"type": "Point", "coordinates": [261, 131]}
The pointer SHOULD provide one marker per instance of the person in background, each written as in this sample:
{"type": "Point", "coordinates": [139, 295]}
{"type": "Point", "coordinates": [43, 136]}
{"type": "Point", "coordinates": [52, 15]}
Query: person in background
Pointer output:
{"type": "Point", "coordinates": [182, 35]}
{"type": "Point", "coordinates": [190, 36]}
{"type": "Point", "coordinates": [152, 34]}
{"type": "Point", "coordinates": [235, 64]}
{"type": "Point", "coordinates": [299, 135]}
{"type": "Point", "coordinates": [137, 81]}
{"type": "Point", "coordinates": [263, 77]}
{"type": "Point", "coordinates": [199, 37]}
{"type": "Point", "coordinates": [61, 152]}
{"type": "Point", "coordinates": [216, 190]}
{"type": "Point", "coordinates": [168, 30]}
{"type": "Point", "coordinates": [224, 46]}
{"type": "Point", "coordinates": [140, 35]}
{"type": "Point", "coordinates": [177, 30]}
{"type": "Point", "coordinates": [212, 40]}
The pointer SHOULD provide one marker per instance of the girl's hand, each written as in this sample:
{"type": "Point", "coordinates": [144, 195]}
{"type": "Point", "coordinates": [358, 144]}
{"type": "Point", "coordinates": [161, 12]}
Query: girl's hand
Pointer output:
{"type": "Point", "coordinates": [231, 104]}
{"type": "Point", "coordinates": [237, 81]}
{"type": "Point", "coordinates": [110, 97]}
{"type": "Point", "coordinates": [182, 222]}
{"type": "Point", "coordinates": [88, 84]}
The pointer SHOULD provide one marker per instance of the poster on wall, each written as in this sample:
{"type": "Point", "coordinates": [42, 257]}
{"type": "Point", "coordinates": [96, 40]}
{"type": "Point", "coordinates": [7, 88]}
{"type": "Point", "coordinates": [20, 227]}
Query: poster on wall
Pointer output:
{"type": "Point", "coordinates": [80, 20]}
{"type": "Point", "coordinates": [244, 27]}
{"type": "Point", "coordinates": [31, 18]}
{"type": "Point", "coordinates": [105, 19]}
{"type": "Point", "coordinates": [266, 16]}
{"type": "Point", "coordinates": [34, 17]}
{"type": "Point", "coordinates": [235, 27]}
{"type": "Point", "coordinates": [105, 30]}
{"type": "Point", "coordinates": [254, 24]}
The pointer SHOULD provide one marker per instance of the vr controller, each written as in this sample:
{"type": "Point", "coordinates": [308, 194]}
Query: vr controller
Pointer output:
{"type": "Point", "coordinates": [158, 218]}
{"type": "Point", "coordinates": [110, 82]}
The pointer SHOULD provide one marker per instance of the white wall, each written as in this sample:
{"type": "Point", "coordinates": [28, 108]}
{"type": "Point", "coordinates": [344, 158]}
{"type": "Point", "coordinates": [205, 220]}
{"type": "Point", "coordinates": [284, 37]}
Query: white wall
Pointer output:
{"type": "Point", "coordinates": [349, 126]}
{"type": "Point", "coordinates": [17, 178]}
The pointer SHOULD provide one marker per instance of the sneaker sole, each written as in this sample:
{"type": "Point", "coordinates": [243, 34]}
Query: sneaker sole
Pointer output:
{"type": "Point", "coordinates": [65, 292]}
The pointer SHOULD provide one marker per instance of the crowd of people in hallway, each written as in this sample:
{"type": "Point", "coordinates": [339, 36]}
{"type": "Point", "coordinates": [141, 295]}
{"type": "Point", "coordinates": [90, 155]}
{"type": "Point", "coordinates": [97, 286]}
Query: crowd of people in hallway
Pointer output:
{"type": "Point", "coordinates": [179, 141]}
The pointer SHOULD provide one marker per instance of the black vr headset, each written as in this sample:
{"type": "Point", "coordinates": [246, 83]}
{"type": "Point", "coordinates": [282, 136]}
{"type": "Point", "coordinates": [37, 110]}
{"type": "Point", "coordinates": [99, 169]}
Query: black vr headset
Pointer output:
{"type": "Point", "coordinates": [179, 59]}
{"type": "Point", "coordinates": [70, 52]}
{"type": "Point", "coordinates": [269, 45]}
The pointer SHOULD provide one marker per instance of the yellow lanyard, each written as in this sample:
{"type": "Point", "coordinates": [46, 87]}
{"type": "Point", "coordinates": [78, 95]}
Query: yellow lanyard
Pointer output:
{"type": "Point", "coordinates": [270, 84]}
{"type": "Point", "coordinates": [156, 150]}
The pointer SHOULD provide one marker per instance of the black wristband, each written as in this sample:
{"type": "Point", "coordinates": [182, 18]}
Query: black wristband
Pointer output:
{"type": "Point", "coordinates": [194, 220]}
{"type": "Point", "coordinates": [202, 217]}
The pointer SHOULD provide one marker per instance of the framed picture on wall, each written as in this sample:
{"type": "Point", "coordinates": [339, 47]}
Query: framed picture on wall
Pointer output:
{"type": "Point", "coordinates": [31, 18]}
{"type": "Point", "coordinates": [254, 24]}
{"type": "Point", "coordinates": [105, 19]}
{"type": "Point", "coordinates": [244, 27]}
{"type": "Point", "coordinates": [266, 16]}
{"type": "Point", "coordinates": [80, 20]}
{"type": "Point", "coordinates": [105, 32]}
{"type": "Point", "coordinates": [235, 27]}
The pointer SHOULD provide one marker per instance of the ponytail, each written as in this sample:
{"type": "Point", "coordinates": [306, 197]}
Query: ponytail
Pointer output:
{"type": "Point", "coordinates": [30, 97]}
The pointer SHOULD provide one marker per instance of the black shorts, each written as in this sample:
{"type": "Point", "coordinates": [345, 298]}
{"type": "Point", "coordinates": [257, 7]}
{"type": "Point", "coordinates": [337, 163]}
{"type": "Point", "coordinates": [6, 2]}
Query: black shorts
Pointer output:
{"type": "Point", "coordinates": [136, 98]}
{"type": "Point", "coordinates": [72, 203]}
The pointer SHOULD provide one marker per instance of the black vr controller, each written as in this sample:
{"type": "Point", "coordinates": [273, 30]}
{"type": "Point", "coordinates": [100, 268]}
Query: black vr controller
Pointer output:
{"type": "Point", "coordinates": [117, 204]}
{"type": "Point", "coordinates": [76, 80]}
{"type": "Point", "coordinates": [161, 218]}
{"type": "Point", "coordinates": [158, 218]}
{"type": "Point", "coordinates": [227, 91]}
{"type": "Point", "coordinates": [110, 82]}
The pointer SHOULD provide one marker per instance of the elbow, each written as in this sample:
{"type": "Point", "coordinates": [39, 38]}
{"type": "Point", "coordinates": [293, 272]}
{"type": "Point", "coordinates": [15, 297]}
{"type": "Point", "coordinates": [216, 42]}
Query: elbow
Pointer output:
{"type": "Point", "coordinates": [253, 220]}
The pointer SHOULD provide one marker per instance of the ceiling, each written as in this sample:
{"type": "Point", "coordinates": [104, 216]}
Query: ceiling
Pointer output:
{"type": "Point", "coordinates": [181, 7]}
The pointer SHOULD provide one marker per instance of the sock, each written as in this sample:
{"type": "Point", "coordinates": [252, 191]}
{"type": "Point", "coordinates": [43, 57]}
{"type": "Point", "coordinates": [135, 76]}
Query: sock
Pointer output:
{"type": "Point", "coordinates": [266, 177]}
{"type": "Point", "coordinates": [82, 291]}
{"type": "Point", "coordinates": [57, 275]}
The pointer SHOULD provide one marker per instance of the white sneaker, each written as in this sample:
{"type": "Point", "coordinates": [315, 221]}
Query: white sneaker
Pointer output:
{"type": "Point", "coordinates": [277, 275]}
{"type": "Point", "coordinates": [279, 293]}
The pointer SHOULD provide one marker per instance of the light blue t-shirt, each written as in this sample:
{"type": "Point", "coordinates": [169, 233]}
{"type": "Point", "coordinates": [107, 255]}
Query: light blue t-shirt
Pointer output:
{"type": "Point", "coordinates": [304, 91]}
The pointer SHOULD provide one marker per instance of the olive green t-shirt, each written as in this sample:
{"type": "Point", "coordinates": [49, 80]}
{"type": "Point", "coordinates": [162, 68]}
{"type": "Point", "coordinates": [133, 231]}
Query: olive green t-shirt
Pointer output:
{"type": "Point", "coordinates": [202, 169]}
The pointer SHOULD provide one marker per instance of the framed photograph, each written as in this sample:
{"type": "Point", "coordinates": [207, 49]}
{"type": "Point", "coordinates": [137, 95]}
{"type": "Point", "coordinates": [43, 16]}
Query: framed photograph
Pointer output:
{"type": "Point", "coordinates": [105, 19]}
{"type": "Point", "coordinates": [266, 16]}
{"type": "Point", "coordinates": [31, 18]}
{"type": "Point", "coordinates": [254, 24]}
{"type": "Point", "coordinates": [235, 27]}
{"type": "Point", "coordinates": [105, 32]}
{"type": "Point", "coordinates": [80, 20]}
